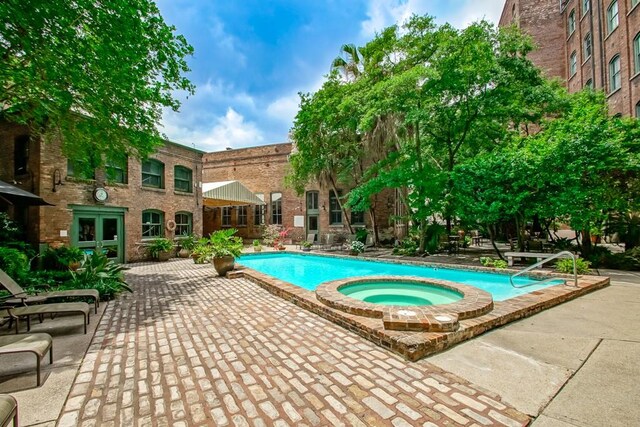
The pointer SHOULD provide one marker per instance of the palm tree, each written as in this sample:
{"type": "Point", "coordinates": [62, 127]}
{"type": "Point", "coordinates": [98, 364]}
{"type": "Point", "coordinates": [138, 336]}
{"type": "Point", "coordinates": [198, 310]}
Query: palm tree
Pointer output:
{"type": "Point", "coordinates": [349, 63]}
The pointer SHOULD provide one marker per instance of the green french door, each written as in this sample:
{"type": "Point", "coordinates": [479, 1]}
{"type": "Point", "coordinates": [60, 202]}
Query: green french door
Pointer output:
{"type": "Point", "coordinates": [95, 229]}
{"type": "Point", "coordinates": [313, 214]}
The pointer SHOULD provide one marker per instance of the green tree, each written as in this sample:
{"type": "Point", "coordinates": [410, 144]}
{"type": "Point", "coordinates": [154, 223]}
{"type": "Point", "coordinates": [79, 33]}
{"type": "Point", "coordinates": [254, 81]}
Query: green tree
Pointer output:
{"type": "Point", "coordinates": [96, 74]}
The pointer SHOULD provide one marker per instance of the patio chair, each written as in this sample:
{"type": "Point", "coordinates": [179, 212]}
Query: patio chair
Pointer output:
{"type": "Point", "coordinates": [311, 237]}
{"type": "Point", "coordinates": [328, 242]}
{"type": "Point", "coordinates": [8, 410]}
{"type": "Point", "coordinates": [19, 294]}
{"type": "Point", "coordinates": [38, 344]}
{"type": "Point", "coordinates": [15, 313]}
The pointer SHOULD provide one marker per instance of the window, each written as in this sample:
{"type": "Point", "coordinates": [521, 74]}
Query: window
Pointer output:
{"type": "Point", "coordinates": [81, 170]}
{"type": "Point", "coordinates": [312, 200]}
{"type": "Point", "coordinates": [184, 223]}
{"type": "Point", "coordinates": [152, 173]}
{"type": "Point", "coordinates": [634, 3]}
{"type": "Point", "coordinates": [116, 171]}
{"type": "Point", "coordinates": [242, 216]}
{"type": "Point", "coordinates": [612, 16]}
{"type": "Point", "coordinates": [614, 74]}
{"type": "Point", "coordinates": [259, 211]}
{"type": "Point", "coordinates": [226, 216]}
{"type": "Point", "coordinates": [20, 154]}
{"type": "Point", "coordinates": [152, 224]}
{"type": "Point", "coordinates": [572, 22]}
{"type": "Point", "coordinates": [182, 179]}
{"type": "Point", "coordinates": [589, 84]}
{"type": "Point", "coordinates": [586, 5]}
{"type": "Point", "coordinates": [276, 208]}
{"type": "Point", "coordinates": [638, 110]}
{"type": "Point", "coordinates": [357, 218]}
{"type": "Point", "coordinates": [573, 64]}
{"type": "Point", "coordinates": [587, 46]}
{"type": "Point", "coordinates": [335, 213]}
{"type": "Point", "coordinates": [636, 54]}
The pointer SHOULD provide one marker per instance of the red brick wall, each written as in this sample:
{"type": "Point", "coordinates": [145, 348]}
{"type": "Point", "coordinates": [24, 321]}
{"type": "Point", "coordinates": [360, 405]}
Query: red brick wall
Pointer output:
{"type": "Point", "coordinates": [547, 22]}
{"type": "Point", "coordinates": [47, 222]}
{"type": "Point", "coordinates": [262, 170]}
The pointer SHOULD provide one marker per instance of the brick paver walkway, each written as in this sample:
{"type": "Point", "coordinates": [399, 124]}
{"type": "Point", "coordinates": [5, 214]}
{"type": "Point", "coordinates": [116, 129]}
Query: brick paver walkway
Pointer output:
{"type": "Point", "coordinates": [191, 349]}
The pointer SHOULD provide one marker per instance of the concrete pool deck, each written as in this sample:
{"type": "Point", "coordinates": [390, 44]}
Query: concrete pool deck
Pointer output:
{"type": "Point", "coordinates": [575, 364]}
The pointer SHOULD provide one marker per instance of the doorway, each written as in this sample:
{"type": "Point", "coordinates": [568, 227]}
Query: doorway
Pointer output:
{"type": "Point", "coordinates": [98, 229]}
{"type": "Point", "coordinates": [313, 214]}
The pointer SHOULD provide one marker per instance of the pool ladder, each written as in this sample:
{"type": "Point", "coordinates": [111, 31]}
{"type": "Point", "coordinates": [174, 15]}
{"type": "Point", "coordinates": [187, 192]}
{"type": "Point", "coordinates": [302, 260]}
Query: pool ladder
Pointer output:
{"type": "Point", "coordinates": [563, 254]}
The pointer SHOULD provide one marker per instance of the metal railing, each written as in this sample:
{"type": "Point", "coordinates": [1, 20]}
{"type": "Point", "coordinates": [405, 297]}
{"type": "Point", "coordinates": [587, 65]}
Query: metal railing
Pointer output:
{"type": "Point", "coordinates": [563, 254]}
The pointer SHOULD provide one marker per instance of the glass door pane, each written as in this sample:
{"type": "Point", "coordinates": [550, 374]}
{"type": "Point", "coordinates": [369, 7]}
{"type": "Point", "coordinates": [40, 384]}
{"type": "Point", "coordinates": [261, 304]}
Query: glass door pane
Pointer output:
{"type": "Point", "coordinates": [86, 229]}
{"type": "Point", "coordinates": [109, 237]}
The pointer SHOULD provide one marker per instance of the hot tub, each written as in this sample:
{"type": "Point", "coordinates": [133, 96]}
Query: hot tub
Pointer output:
{"type": "Point", "coordinates": [401, 293]}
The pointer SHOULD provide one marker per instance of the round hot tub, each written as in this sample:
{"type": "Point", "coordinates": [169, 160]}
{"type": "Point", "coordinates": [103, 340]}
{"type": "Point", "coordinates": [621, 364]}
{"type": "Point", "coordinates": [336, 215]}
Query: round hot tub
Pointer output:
{"type": "Point", "coordinates": [400, 293]}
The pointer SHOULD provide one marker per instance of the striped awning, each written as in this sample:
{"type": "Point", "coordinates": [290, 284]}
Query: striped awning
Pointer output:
{"type": "Point", "coordinates": [228, 193]}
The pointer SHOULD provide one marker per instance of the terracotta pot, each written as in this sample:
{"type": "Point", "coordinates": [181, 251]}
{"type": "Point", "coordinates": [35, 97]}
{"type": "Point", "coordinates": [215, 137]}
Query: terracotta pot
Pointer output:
{"type": "Point", "coordinates": [257, 249]}
{"type": "Point", "coordinates": [223, 264]}
{"type": "Point", "coordinates": [184, 253]}
{"type": "Point", "coordinates": [164, 256]}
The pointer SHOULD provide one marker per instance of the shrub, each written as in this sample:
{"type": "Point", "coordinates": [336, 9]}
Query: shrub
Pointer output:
{"type": "Point", "coordinates": [408, 246]}
{"type": "Point", "coordinates": [361, 235]}
{"type": "Point", "coordinates": [60, 258]}
{"type": "Point", "coordinates": [493, 263]}
{"type": "Point", "coordinates": [629, 260]}
{"type": "Point", "coordinates": [271, 234]}
{"type": "Point", "coordinates": [159, 245]}
{"type": "Point", "coordinates": [224, 243]}
{"type": "Point", "coordinates": [356, 247]}
{"type": "Point", "coordinates": [566, 266]}
{"type": "Point", "coordinates": [98, 272]}
{"type": "Point", "coordinates": [14, 262]}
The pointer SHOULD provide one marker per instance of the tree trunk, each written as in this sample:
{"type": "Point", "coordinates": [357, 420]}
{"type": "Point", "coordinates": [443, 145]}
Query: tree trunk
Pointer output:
{"type": "Point", "coordinates": [423, 234]}
{"type": "Point", "coordinates": [345, 218]}
{"type": "Point", "coordinates": [492, 236]}
{"type": "Point", "coordinates": [374, 226]}
{"type": "Point", "coordinates": [585, 243]}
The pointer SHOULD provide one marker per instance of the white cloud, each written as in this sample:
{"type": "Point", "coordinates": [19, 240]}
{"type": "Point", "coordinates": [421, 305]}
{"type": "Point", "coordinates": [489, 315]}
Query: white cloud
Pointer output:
{"type": "Point", "coordinates": [284, 108]}
{"type": "Point", "coordinates": [460, 13]}
{"type": "Point", "coordinates": [230, 130]}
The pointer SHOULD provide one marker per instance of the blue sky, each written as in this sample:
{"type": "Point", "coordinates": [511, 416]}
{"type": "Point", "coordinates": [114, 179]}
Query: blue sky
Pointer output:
{"type": "Point", "coordinates": [253, 57]}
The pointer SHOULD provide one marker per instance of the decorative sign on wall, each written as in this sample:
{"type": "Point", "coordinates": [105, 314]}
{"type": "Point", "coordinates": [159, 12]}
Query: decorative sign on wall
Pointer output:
{"type": "Point", "coordinates": [298, 221]}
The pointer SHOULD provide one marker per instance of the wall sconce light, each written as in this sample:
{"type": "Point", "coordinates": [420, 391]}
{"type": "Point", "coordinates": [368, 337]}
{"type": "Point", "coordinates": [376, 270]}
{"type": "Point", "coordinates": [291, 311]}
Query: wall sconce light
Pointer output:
{"type": "Point", "coordinates": [57, 179]}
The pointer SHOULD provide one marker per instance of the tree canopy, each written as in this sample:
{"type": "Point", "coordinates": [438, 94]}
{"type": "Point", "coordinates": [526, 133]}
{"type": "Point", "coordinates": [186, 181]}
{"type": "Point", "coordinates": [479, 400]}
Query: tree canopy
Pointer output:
{"type": "Point", "coordinates": [96, 73]}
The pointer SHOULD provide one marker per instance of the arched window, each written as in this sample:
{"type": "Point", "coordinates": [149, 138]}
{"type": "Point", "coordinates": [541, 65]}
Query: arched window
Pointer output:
{"type": "Point", "coordinates": [184, 223]}
{"type": "Point", "coordinates": [587, 46]}
{"type": "Point", "coordinates": [638, 110]}
{"type": "Point", "coordinates": [183, 179]}
{"type": "Point", "coordinates": [152, 224]}
{"type": "Point", "coordinates": [612, 16]}
{"type": "Point", "coordinates": [586, 5]}
{"type": "Point", "coordinates": [589, 84]}
{"type": "Point", "coordinates": [21, 155]}
{"type": "Point", "coordinates": [615, 79]}
{"type": "Point", "coordinates": [335, 213]}
{"type": "Point", "coordinates": [572, 21]}
{"type": "Point", "coordinates": [636, 54]}
{"type": "Point", "coordinates": [153, 173]}
{"type": "Point", "coordinates": [573, 64]}
{"type": "Point", "coordinates": [116, 171]}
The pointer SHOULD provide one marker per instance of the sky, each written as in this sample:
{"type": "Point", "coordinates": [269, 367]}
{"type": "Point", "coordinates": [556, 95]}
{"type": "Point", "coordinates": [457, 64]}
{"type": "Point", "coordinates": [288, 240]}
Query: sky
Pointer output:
{"type": "Point", "coordinates": [253, 57]}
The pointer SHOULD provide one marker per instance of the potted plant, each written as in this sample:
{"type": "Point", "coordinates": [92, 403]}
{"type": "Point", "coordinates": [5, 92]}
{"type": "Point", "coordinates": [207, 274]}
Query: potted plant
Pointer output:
{"type": "Point", "coordinates": [201, 252]}
{"type": "Point", "coordinates": [225, 247]}
{"type": "Point", "coordinates": [160, 249]}
{"type": "Point", "coordinates": [306, 245]}
{"type": "Point", "coordinates": [187, 243]}
{"type": "Point", "coordinates": [257, 246]}
{"type": "Point", "coordinates": [356, 247]}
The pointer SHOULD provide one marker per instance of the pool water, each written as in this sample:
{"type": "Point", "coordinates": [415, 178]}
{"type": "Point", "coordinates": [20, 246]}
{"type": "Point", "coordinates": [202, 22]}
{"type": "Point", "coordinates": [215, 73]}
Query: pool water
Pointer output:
{"type": "Point", "coordinates": [400, 293]}
{"type": "Point", "coordinates": [308, 271]}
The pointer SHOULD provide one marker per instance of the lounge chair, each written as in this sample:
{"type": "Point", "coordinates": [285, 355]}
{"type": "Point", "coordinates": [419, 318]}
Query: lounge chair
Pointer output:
{"type": "Point", "coordinates": [8, 410]}
{"type": "Point", "coordinates": [311, 237]}
{"type": "Point", "coordinates": [18, 293]}
{"type": "Point", "coordinates": [15, 313]}
{"type": "Point", "coordinates": [38, 344]}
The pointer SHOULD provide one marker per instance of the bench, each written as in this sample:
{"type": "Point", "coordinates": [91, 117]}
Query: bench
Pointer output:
{"type": "Point", "coordinates": [8, 410]}
{"type": "Point", "coordinates": [37, 344]}
{"type": "Point", "coordinates": [539, 256]}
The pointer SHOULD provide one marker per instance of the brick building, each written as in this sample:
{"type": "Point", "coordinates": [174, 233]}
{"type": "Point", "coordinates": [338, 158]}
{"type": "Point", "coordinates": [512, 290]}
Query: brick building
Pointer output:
{"type": "Point", "coordinates": [586, 43]}
{"type": "Point", "coordinates": [117, 208]}
{"type": "Point", "coordinates": [262, 170]}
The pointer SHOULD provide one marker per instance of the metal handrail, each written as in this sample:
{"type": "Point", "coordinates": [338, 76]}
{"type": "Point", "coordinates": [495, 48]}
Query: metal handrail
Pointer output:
{"type": "Point", "coordinates": [563, 254]}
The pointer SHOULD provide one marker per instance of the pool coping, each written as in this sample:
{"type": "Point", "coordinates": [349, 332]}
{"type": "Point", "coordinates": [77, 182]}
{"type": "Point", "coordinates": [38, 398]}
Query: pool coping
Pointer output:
{"type": "Point", "coordinates": [414, 345]}
{"type": "Point", "coordinates": [433, 318]}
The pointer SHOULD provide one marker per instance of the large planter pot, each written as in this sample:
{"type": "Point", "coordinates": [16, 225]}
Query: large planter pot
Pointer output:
{"type": "Point", "coordinates": [164, 256]}
{"type": "Point", "coordinates": [305, 249]}
{"type": "Point", "coordinates": [184, 253]}
{"type": "Point", "coordinates": [223, 264]}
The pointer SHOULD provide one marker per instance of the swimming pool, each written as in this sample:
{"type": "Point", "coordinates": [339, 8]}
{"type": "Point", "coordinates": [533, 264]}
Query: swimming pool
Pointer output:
{"type": "Point", "coordinates": [308, 271]}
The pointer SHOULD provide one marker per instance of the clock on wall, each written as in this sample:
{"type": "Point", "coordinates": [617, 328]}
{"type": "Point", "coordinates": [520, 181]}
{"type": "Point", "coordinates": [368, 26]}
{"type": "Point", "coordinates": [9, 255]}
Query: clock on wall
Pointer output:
{"type": "Point", "coordinates": [100, 195]}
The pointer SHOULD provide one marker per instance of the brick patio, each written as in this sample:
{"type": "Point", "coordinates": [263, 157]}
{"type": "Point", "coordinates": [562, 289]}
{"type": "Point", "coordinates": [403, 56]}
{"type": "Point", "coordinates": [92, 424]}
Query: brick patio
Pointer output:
{"type": "Point", "coordinates": [189, 348]}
